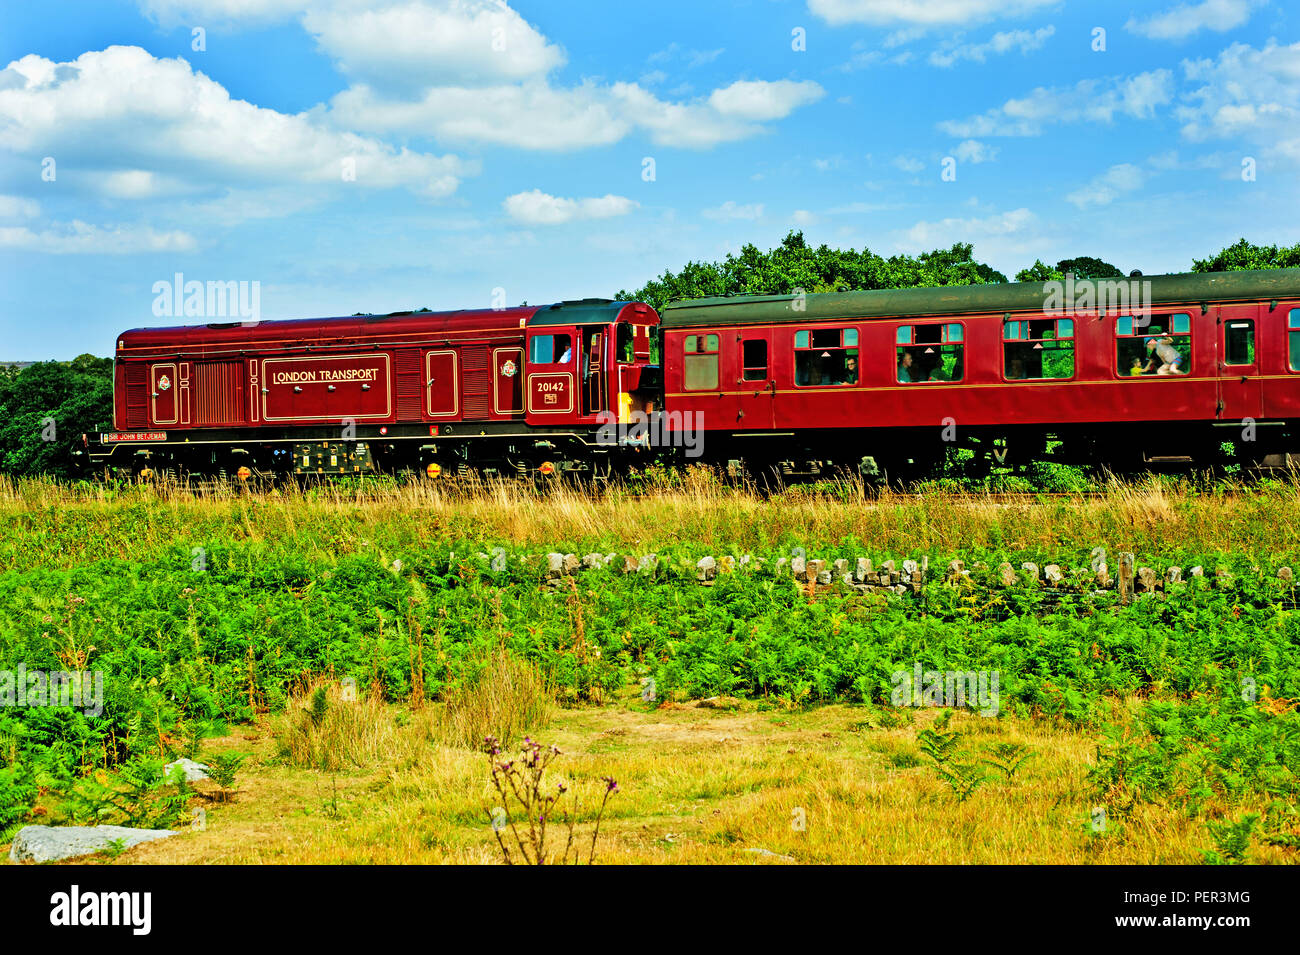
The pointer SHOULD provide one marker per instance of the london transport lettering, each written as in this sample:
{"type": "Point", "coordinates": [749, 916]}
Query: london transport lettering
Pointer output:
{"type": "Point", "coordinates": [324, 375]}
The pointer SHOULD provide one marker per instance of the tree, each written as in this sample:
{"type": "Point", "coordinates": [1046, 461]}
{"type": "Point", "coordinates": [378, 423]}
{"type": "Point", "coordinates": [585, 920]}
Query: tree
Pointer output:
{"type": "Point", "coordinates": [1087, 267]}
{"type": "Point", "coordinates": [1083, 267]}
{"type": "Point", "coordinates": [795, 265]}
{"type": "Point", "coordinates": [1245, 255]}
{"type": "Point", "coordinates": [46, 407]}
{"type": "Point", "coordinates": [1038, 272]}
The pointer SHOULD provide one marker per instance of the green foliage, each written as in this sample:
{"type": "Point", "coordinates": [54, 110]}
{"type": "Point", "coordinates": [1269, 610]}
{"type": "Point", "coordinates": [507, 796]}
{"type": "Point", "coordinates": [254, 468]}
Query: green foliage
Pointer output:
{"type": "Point", "coordinates": [317, 706]}
{"type": "Point", "coordinates": [1008, 757]}
{"type": "Point", "coordinates": [1245, 255]}
{"type": "Point", "coordinates": [1083, 267]}
{"type": "Point", "coordinates": [795, 265]}
{"type": "Point", "coordinates": [1232, 839]}
{"type": "Point", "coordinates": [138, 796]}
{"type": "Point", "coordinates": [46, 407]}
{"type": "Point", "coordinates": [17, 793]}
{"type": "Point", "coordinates": [224, 767]}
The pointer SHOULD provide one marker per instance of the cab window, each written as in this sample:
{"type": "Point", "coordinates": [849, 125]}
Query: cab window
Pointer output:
{"type": "Point", "coordinates": [623, 343]}
{"type": "Point", "coordinates": [700, 363]}
{"type": "Point", "coordinates": [550, 349]}
{"type": "Point", "coordinates": [1293, 338]}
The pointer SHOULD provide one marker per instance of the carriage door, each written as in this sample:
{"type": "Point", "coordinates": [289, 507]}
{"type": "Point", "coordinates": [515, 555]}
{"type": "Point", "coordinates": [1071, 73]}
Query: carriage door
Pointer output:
{"type": "Point", "coordinates": [162, 393]}
{"type": "Point", "coordinates": [756, 384]}
{"type": "Point", "coordinates": [593, 371]}
{"type": "Point", "coordinates": [1240, 388]}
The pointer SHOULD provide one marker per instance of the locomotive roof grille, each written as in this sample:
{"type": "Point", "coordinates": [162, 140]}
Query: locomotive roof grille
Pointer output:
{"type": "Point", "coordinates": [1180, 289]}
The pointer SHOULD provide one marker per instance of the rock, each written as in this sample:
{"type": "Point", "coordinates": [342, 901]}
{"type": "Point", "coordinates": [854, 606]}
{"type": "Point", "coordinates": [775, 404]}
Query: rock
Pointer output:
{"type": "Point", "coordinates": [862, 569]}
{"type": "Point", "coordinates": [706, 569]}
{"type": "Point", "coordinates": [647, 564]}
{"type": "Point", "coordinates": [745, 561]}
{"type": "Point", "coordinates": [956, 569]}
{"type": "Point", "coordinates": [592, 562]}
{"type": "Point", "coordinates": [51, 843]}
{"type": "Point", "coordinates": [1053, 574]}
{"type": "Point", "coordinates": [629, 564]}
{"type": "Point", "coordinates": [726, 564]}
{"type": "Point", "coordinates": [193, 771]}
{"type": "Point", "coordinates": [1174, 575]}
{"type": "Point", "coordinates": [554, 564]}
{"type": "Point", "coordinates": [1103, 576]}
{"type": "Point", "coordinates": [768, 852]}
{"type": "Point", "coordinates": [609, 559]}
{"type": "Point", "coordinates": [1284, 574]}
{"type": "Point", "coordinates": [782, 564]}
{"type": "Point", "coordinates": [570, 564]}
{"type": "Point", "coordinates": [910, 567]}
{"type": "Point", "coordinates": [824, 577]}
{"type": "Point", "coordinates": [1221, 577]}
{"type": "Point", "coordinates": [816, 568]}
{"type": "Point", "coordinates": [840, 568]}
{"type": "Point", "coordinates": [1006, 575]}
{"type": "Point", "coordinates": [1146, 580]}
{"type": "Point", "coordinates": [1198, 571]}
{"type": "Point", "coordinates": [1031, 570]}
{"type": "Point", "coordinates": [799, 567]}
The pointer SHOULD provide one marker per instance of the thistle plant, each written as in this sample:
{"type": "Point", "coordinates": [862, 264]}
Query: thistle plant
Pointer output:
{"type": "Point", "coordinates": [529, 805]}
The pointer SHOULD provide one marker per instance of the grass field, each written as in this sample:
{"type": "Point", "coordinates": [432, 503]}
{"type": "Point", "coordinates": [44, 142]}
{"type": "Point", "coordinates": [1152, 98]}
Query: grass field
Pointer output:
{"type": "Point", "coordinates": [214, 617]}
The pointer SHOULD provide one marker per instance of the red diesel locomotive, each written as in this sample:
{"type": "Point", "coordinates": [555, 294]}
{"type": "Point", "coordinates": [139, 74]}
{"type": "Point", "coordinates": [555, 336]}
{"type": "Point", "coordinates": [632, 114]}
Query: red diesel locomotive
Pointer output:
{"type": "Point", "coordinates": [1126, 373]}
{"type": "Point", "coordinates": [508, 390]}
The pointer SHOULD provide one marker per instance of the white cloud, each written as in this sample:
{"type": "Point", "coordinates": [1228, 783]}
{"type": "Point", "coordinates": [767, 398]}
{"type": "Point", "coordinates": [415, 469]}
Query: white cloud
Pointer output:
{"type": "Point", "coordinates": [80, 237]}
{"type": "Point", "coordinates": [1249, 96]}
{"type": "Point", "coordinates": [16, 207]}
{"type": "Point", "coordinates": [909, 164]}
{"type": "Point", "coordinates": [538, 208]}
{"type": "Point", "coordinates": [729, 211]}
{"type": "Point", "coordinates": [134, 121]}
{"type": "Point", "coordinates": [929, 235]}
{"type": "Point", "coordinates": [475, 71]}
{"type": "Point", "coordinates": [1025, 41]}
{"type": "Point", "coordinates": [416, 44]}
{"type": "Point", "coordinates": [1182, 21]}
{"type": "Point", "coordinates": [1096, 101]}
{"type": "Point", "coordinates": [975, 152]}
{"type": "Point", "coordinates": [919, 12]}
{"type": "Point", "coordinates": [173, 12]}
{"type": "Point", "coordinates": [1106, 188]}
{"type": "Point", "coordinates": [802, 217]}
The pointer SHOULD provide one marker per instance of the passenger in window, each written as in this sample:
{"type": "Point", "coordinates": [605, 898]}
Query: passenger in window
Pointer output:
{"type": "Point", "coordinates": [905, 373]}
{"type": "Point", "coordinates": [568, 354]}
{"type": "Point", "coordinates": [850, 371]}
{"type": "Point", "coordinates": [1016, 369]}
{"type": "Point", "coordinates": [1164, 357]}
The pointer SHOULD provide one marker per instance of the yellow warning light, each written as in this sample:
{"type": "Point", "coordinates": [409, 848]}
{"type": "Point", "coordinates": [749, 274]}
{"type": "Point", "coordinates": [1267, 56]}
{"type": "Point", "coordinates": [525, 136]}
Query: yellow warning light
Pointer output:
{"type": "Point", "coordinates": [433, 470]}
{"type": "Point", "coordinates": [243, 473]}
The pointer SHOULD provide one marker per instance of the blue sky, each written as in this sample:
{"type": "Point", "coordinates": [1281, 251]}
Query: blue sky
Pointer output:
{"type": "Point", "coordinates": [372, 156]}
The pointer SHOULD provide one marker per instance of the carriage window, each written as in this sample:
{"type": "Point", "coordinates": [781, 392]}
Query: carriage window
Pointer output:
{"type": "Point", "coordinates": [1239, 337]}
{"type": "Point", "coordinates": [700, 363]}
{"type": "Point", "coordinates": [1293, 338]}
{"type": "Point", "coordinates": [1038, 349]}
{"type": "Point", "coordinates": [930, 352]}
{"type": "Point", "coordinates": [825, 357]}
{"type": "Point", "coordinates": [550, 349]}
{"type": "Point", "coordinates": [1161, 345]}
{"type": "Point", "coordinates": [754, 360]}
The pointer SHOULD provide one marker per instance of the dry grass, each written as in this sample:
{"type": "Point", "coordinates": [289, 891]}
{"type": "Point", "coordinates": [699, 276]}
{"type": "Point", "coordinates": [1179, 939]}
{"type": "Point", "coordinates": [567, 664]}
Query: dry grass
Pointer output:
{"type": "Point", "coordinates": [507, 698]}
{"type": "Point", "coordinates": [701, 786]}
{"type": "Point", "coordinates": [321, 729]}
{"type": "Point", "coordinates": [69, 526]}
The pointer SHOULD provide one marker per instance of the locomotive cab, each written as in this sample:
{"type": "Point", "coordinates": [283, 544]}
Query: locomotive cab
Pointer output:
{"type": "Point", "coordinates": [588, 360]}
